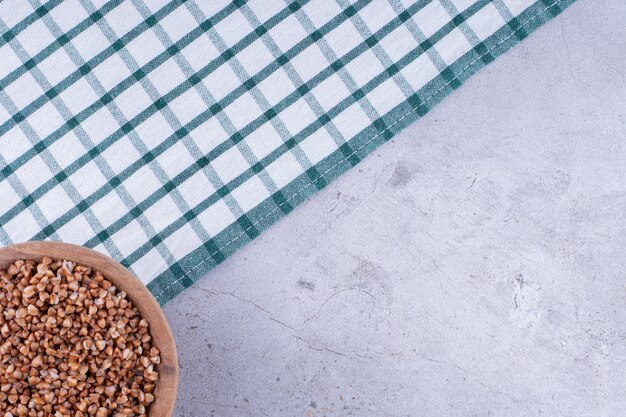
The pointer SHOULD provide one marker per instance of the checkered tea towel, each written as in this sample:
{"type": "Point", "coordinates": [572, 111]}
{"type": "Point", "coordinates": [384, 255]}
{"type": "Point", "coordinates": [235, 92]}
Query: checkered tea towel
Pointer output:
{"type": "Point", "coordinates": [169, 134]}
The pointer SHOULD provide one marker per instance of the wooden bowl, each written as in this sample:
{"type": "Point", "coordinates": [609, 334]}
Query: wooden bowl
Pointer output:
{"type": "Point", "coordinates": [167, 385]}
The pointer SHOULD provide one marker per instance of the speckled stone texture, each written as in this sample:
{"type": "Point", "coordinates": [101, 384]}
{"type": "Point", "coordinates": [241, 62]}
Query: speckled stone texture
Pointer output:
{"type": "Point", "coordinates": [475, 266]}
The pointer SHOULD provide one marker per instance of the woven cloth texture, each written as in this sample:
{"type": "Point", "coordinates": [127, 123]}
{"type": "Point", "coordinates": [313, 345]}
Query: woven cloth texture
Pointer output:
{"type": "Point", "coordinates": [169, 134]}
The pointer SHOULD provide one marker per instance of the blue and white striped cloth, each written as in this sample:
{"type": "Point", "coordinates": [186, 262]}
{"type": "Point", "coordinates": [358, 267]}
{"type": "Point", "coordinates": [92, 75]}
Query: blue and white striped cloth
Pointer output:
{"type": "Point", "coordinates": [169, 134]}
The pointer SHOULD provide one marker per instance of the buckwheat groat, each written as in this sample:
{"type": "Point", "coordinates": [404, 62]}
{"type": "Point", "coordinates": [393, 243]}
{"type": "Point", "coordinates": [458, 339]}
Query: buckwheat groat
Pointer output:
{"type": "Point", "coordinates": [71, 344]}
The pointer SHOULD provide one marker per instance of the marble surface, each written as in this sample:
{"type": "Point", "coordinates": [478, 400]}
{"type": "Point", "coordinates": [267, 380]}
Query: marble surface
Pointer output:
{"type": "Point", "coordinates": [474, 266]}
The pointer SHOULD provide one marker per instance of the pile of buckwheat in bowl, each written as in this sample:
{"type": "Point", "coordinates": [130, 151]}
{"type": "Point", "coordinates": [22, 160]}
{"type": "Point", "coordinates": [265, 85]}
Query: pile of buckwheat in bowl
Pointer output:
{"type": "Point", "coordinates": [71, 344]}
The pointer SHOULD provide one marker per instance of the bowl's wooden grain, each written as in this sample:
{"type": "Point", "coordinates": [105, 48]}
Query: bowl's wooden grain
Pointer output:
{"type": "Point", "coordinates": [167, 385]}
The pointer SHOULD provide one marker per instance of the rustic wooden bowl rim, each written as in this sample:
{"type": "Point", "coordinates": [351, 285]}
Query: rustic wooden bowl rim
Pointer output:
{"type": "Point", "coordinates": [167, 385]}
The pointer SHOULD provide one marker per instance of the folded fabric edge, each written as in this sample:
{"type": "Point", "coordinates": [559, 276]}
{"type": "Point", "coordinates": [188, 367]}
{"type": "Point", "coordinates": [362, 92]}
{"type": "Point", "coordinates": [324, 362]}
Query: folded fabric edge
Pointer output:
{"type": "Point", "coordinates": [189, 269]}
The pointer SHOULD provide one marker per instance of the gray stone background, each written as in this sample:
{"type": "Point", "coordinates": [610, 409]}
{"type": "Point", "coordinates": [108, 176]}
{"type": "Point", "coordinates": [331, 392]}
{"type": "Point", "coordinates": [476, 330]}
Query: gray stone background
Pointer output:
{"type": "Point", "coordinates": [474, 266]}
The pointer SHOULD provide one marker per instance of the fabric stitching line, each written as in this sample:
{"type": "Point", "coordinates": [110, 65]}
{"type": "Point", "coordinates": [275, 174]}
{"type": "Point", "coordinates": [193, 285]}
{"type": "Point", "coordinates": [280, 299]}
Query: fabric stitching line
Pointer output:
{"type": "Point", "coordinates": [370, 140]}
